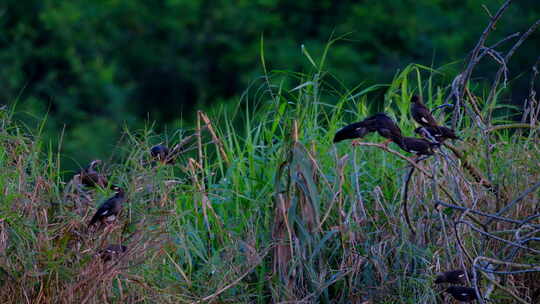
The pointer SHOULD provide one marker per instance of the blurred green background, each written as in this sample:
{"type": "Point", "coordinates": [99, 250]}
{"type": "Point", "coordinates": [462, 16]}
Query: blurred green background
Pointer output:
{"type": "Point", "coordinates": [93, 67]}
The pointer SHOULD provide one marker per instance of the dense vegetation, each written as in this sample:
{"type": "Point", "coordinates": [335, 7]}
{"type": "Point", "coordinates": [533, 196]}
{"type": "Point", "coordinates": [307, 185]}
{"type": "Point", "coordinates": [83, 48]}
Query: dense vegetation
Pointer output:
{"type": "Point", "coordinates": [262, 207]}
{"type": "Point", "coordinates": [93, 66]}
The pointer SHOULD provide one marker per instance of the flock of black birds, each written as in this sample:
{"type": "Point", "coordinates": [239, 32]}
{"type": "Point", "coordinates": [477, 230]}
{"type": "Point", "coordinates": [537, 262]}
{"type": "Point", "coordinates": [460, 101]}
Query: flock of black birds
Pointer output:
{"type": "Point", "coordinates": [433, 135]}
{"type": "Point", "coordinates": [109, 210]}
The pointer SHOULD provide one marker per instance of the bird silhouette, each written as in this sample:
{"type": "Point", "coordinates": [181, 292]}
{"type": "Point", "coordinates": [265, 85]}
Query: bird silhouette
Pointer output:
{"type": "Point", "coordinates": [159, 152]}
{"type": "Point", "coordinates": [108, 211]}
{"type": "Point", "coordinates": [355, 130]}
{"type": "Point", "coordinates": [386, 127]}
{"type": "Point", "coordinates": [430, 128]}
{"type": "Point", "coordinates": [421, 114]}
{"type": "Point", "coordinates": [452, 277]}
{"type": "Point", "coordinates": [379, 123]}
{"type": "Point", "coordinates": [463, 294]}
{"type": "Point", "coordinates": [419, 146]}
{"type": "Point", "coordinates": [438, 133]}
{"type": "Point", "coordinates": [90, 177]}
{"type": "Point", "coordinates": [163, 154]}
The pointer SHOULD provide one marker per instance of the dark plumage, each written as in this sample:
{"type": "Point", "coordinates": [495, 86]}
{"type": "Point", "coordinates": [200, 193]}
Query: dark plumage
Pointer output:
{"type": "Point", "coordinates": [463, 294]}
{"type": "Point", "coordinates": [90, 177]}
{"type": "Point", "coordinates": [386, 127]}
{"type": "Point", "coordinates": [452, 277]}
{"type": "Point", "coordinates": [159, 152]}
{"type": "Point", "coordinates": [439, 133]}
{"type": "Point", "coordinates": [110, 208]}
{"type": "Point", "coordinates": [352, 131]}
{"type": "Point", "coordinates": [418, 146]}
{"type": "Point", "coordinates": [421, 113]}
{"type": "Point", "coordinates": [380, 122]}
{"type": "Point", "coordinates": [163, 154]}
{"type": "Point", "coordinates": [355, 130]}
{"type": "Point", "coordinates": [112, 251]}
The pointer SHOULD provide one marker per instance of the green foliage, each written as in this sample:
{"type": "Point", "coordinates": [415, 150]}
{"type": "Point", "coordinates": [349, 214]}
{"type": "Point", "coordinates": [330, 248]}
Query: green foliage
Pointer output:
{"type": "Point", "coordinates": [262, 207]}
{"type": "Point", "coordinates": [94, 66]}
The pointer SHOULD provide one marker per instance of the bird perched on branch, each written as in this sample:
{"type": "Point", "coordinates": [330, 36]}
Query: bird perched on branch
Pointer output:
{"type": "Point", "coordinates": [421, 113]}
{"type": "Point", "coordinates": [418, 146]}
{"type": "Point", "coordinates": [438, 133]}
{"type": "Point", "coordinates": [108, 211]}
{"type": "Point", "coordinates": [112, 252]}
{"type": "Point", "coordinates": [90, 177]}
{"type": "Point", "coordinates": [430, 128]}
{"type": "Point", "coordinates": [386, 127]}
{"type": "Point", "coordinates": [379, 122]}
{"type": "Point", "coordinates": [463, 294]}
{"type": "Point", "coordinates": [452, 277]}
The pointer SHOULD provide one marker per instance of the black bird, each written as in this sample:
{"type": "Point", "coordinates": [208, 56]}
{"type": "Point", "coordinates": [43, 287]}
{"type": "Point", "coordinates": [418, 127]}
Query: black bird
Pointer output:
{"type": "Point", "coordinates": [159, 152]}
{"type": "Point", "coordinates": [163, 154]}
{"type": "Point", "coordinates": [439, 133]}
{"type": "Point", "coordinates": [418, 146]}
{"type": "Point", "coordinates": [452, 277]}
{"type": "Point", "coordinates": [463, 294]}
{"type": "Point", "coordinates": [386, 127]}
{"type": "Point", "coordinates": [379, 122]}
{"type": "Point", "coordinates": [90, 177]}
{"type": "Point", "coordinates": [421, 113]}
{"type": "Point", "coordinates": [108, 211]}
{"type": "Point", "coordinates": [112, 251]}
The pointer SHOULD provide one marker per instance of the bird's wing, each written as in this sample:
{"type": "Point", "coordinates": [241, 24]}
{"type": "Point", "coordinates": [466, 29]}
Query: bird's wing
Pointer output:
{"type": "Point", "coordinates": [427, 118]}
{"type": "Point", "coordinates": [423, 116]}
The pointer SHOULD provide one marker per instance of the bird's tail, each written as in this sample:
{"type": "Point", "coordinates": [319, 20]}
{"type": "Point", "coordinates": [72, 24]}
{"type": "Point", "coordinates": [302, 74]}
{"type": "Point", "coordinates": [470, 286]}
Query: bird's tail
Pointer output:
{"type": "Point", "coordinates": [350, 132]}
{"type": "Point", "coordinates": [340, 135]}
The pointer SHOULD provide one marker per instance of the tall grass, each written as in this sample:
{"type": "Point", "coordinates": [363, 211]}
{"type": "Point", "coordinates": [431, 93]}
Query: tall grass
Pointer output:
{"type": "Point", "coordinates": [262, 207]}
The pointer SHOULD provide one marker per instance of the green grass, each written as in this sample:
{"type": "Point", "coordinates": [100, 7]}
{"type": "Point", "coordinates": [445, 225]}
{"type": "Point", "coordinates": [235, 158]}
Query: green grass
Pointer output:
{"type": "Point", "coordinates": [280, 214]}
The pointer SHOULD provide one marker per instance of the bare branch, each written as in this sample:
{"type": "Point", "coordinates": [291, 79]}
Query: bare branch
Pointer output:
{"type": "Point", "coordinates": [501, 70]}
{"type": "Point", "coordinates": [492, 216]}
{"type": "Point", "coordinates": [474, 59]}
{"type": "Point", "coordinates": [519, 198]}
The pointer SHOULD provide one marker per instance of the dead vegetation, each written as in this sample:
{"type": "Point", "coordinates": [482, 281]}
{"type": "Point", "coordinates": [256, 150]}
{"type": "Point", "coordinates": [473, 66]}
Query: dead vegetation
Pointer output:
{"type": "Point", "coordinates": [281, 215]}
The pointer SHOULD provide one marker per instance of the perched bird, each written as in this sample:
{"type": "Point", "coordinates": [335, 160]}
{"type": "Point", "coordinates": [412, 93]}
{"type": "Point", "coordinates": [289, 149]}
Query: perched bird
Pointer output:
{"type": "Point", "coordinates": [463, 294]}
{"type": "Point", "coordinates": [111, 252]}
{"type": "Point", "coordinates": [430, 128]}
{"type": "Point", "coordinates": [418, 146]}
{"type": "Point", "coordinates": [90, 177]}
{"type": "Point", "coordinates": [163, 154]}
{"type": "Point", "coordinates": [421, 113]}
{"type": "Point", "coordinates": [386, 127]}
{"type": "Point", "coordinates": [108, 211]}
{"type": "Point", "coordinates": [159, 152]}
{"type": "Point", "coordinates": [379, 122]}
{"type": "Point", "coordinates": [452, 277]}
{"type": "Point", "coordinates": [438, 133]}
